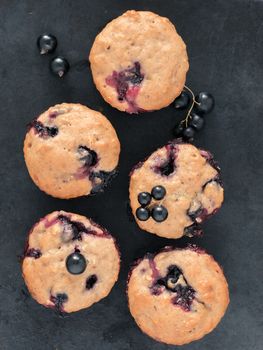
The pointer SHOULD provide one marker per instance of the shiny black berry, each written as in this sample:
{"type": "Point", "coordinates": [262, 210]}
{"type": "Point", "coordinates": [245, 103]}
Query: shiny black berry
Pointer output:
{"type": "Point", "coordinates": [46, 43]}
{"type": "Point", "coordinates": [189, 133]}
{"type": "Point", "coordinates": [197, 121]}
{"type": "Point", "coordinates": [76, 263]}
{"type": "Point", "coordinates": [205, 101]}
{"type": "Point", "coordinates": [158, 192]}
{"type": "Point", "coordinates": [178, 130]}
{"type": "Point", "coordinates": [144, 198]}
{"type": "Point", "coordinates": [159, 213]}
{"type": "Point", "coordinates": [182, 101]}
{"type": "Point", "coordinates": [142, 214]}
{"type": "Point", "coordinates": [59, 66]}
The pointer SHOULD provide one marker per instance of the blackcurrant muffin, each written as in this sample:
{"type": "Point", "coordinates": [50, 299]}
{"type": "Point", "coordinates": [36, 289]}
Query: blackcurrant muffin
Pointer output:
{"type": "Point", "coordinates": [71, 150]}
{"type": "Point", "coordinates": [178, 295]}
{"type": "Point", "coordinates": [70, 262]}
{"type": "Point", "coordinates": [174, 190]}
{"type": "Point", "coordinates": [139, 62]}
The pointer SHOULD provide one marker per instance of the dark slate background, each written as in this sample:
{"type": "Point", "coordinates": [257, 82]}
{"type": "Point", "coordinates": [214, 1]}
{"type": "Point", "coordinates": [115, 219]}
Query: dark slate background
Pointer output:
{"type": "Point", "coordinates": [225, 48]}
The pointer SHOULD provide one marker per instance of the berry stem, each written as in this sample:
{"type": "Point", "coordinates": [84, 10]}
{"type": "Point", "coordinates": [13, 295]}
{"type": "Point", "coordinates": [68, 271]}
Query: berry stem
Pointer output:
{"type": "Point", "coordinates": [191, 107]}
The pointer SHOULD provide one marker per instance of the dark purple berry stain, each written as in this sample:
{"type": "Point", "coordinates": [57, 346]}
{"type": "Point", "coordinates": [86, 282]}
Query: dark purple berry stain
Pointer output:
{"type": "Point", "coordinates": [210, 160]}
{"type": "Point", "coordinates": [194, 215]}
{"type": "Point", "coordinates": [184, 297]}
{"type": "Point", "coordinates": [43, 131]}
{"type": "Point", "coordinates": [137, 166]}
{"type": "Point", "coordinates": [56, 113]}
{"type": "Point", "coordinates": [89, 159]}
{"type": "Point", "coordinates": [53, 115]}
{"type": "Point", "coordinates": [216, 179]}
{"type": "Point", "coordinates": [91, 281]}
{"type": "Point", "coordinates": [183, 294]}
{"type": "Point", "coordinates": [76, 228]}
{"type": "Point", "coordinates": [200, 214]}
{"type": "Point", "coordinates": [193, 230]}
{"type": "Point", "coordinates": [88, 156]}
{"type": "Point", "coordinates": [168, 167]}
{"type": "Point", "coordinates": [58, 300]}
{"type": "Point", "coordinates": [196, 249]}
{"type": "Point", "coordinates": [101, 179]}
{"type": "Point", "coordinates": [33, 253]}
{"type": "Point", "coordinates": [155, 271]}
{"type": "Point", "coordinates": [48, 223]}
{"type": "Point", "coordinates": [127, 84]}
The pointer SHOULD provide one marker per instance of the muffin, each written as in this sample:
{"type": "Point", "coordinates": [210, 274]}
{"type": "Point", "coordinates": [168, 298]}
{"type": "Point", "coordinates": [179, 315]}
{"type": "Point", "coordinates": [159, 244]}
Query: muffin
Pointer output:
{"type": "Point", "coordinates": [178, 295]}
{"type": "Point", "coordinates": [174, 190]}
{"type": "Point", "coordinates": [139, 62]}
{"type": "Point", "coordinates": [71, 151]}
{"type": "Point", "coordinates": [70, 262]}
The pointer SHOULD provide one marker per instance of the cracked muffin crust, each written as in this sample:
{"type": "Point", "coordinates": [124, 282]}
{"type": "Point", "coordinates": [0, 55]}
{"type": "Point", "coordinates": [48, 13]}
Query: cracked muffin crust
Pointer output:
{"type": "Point", "coordinates": [45, 266]}
{"type": "Point", "coordinates": [193, 190]}
{"type": "Point", "coordinates": [178, 295]}
{"type": "Point", "coordinates": [71, 150]}
{"type": "Point", "coordinates": [139, 62]}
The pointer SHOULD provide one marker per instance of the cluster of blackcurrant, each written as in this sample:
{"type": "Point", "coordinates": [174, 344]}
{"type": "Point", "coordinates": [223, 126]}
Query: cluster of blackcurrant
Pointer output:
{"type": "Point", "coordinates": [198, 106]}
{"type": "Point", "coordinates": [46, 44]}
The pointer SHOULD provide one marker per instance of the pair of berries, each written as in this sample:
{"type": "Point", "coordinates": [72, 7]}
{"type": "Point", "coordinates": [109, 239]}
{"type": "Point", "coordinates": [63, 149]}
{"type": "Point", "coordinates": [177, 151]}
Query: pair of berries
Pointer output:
{"type": "Point", "coordinates": [47, 43]}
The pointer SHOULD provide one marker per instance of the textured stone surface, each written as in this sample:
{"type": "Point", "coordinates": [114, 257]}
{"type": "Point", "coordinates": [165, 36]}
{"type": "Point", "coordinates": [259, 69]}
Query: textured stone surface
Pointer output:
{"type": "Point", "coordinates": [224, 41]}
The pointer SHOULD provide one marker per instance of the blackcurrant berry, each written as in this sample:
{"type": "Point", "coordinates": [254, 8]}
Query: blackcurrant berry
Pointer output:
{"type": "Point", "coordinates": [158, 192]}
{"type": "Point", "coordinates": [59, 66]}
{"type": "Point", "coordinates": [46, 43]}
{"type": "Point", "coordinates": [178, 130]}
{"type": "Point", "coordinates": [142, 214]}
{"type": "Point", "coordinates": [159, 213]}
{"type": "Point", "coordinates": [144, 198]}
{"type": "Point", "coordinates": [206, 102]}
{"type": "Point", "coordinates": [196, 121]}
{"type": "Point", "coordinates": [76, 263]}
{"type": "Point", "coordinates": [189, 133]}
{"type": "Point", "coordinates": [182, 101]}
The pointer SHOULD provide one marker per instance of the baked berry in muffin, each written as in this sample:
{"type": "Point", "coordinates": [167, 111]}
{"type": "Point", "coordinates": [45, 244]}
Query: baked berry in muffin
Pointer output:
{"type": "Point", "coordinates": [139, 62]}
{"type": "Point", "coordinates": [188, 187]}
{"type": "Point", "coordinates": [71, 150]}
{"type": "Point", "coordinates": [70, 262]}
{"type": "Point", "coordinates": [178, 295]}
